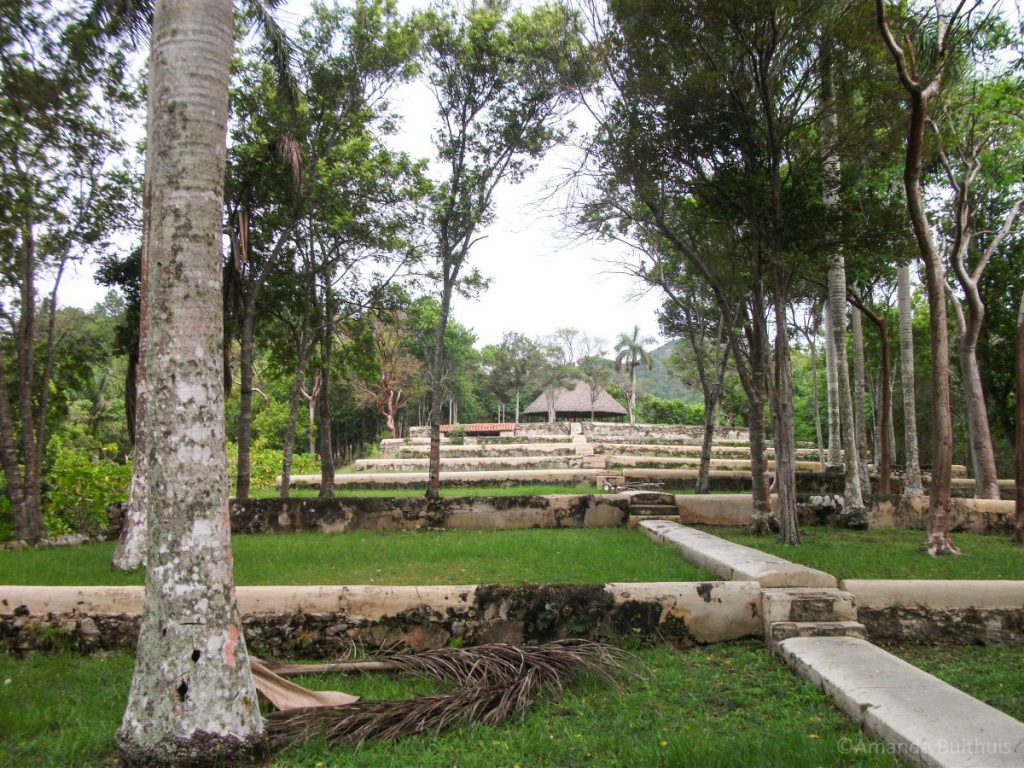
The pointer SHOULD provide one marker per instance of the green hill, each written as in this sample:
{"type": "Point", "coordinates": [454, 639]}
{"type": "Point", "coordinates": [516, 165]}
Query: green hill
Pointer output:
{"type": "Point", "coordinates": [662, 381]}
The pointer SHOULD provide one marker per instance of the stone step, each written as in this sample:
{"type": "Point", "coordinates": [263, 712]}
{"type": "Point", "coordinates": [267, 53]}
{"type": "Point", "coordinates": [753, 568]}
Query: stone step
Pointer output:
{"type": "Point", "coordinates": [927, 721]}
{"type": "Point", "coordinates": [784, 630]}
{"type": "Point", "coordinates": [653, 509]}
{"type": "Point", "coordinates": [808, 605]}
{"type": "Point", "coordinates": [642, 497]}
{"type": "Point", "coordinates": [633, 521]}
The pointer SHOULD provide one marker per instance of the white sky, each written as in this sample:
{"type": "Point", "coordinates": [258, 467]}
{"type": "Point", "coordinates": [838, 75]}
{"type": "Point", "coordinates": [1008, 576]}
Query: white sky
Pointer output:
{"type": "Point", "coordinates": [541, 279]}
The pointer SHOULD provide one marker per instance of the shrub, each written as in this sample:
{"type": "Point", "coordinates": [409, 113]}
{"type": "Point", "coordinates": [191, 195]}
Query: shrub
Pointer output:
{"type": "Point", "coordinates": [656, 410]}
{"type": "Point", "coordinates": [78, 488]}
{"type": "Point", "coordinates": [457, 434]}
{"type": "Point", "coordinates": [265, 465]}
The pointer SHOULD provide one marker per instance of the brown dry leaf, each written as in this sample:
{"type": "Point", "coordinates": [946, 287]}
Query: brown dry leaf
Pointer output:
{"type": "Point", "coordinates": [285, 694]}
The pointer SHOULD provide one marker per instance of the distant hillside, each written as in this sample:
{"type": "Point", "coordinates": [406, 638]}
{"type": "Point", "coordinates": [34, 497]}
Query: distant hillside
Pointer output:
{"type": "Point", "coordinates": [661, 381]}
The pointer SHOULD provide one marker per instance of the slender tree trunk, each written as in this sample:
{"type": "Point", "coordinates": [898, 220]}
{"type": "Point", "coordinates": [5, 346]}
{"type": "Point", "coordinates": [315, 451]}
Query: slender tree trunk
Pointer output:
{"type": "Point", "coordinates": [130, 552]}
{"type": "Point", "coordinates": [517, 405]}
{"type": "Point", "coordinates": [436, 393]}
{"type": "Point", "coordinates": [884, 452]}
{"type": "Point", "coordinates": [853, 502]}
{"type": "Point", "coordinates": [632, 393]}
{"type": "Point", "coordinates": [1018, 454]}
{"type": "Point", "coordinates": [912, 485]}
{"type": "Point", "coordinates": [785, 438]}
{"type": "Point", "coordinates": [860, 413]}
{"type": "Point", "coordinates": [324, 401]}
{"type": "Point", "coordinates": [9, 459]}
{"type": "Point", "coordinates": [32, 521]}
{"type": "Point", "coordinates": [762, 520]}
{"type": "Point", "coordinates": [813, 348]}
{"type": "Point", "coordinates": [835, 438]}
{"type": "Point", "coordinates": [245, 376]}
{"type": "Point", "coordinates": [983, 460]}
{"type": "Point", "coordinates": [293, 413]}
{"type": "Point", "coordinates": [192, 697]}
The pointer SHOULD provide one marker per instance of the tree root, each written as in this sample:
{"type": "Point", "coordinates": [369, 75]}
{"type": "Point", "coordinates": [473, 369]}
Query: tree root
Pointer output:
{"type": "Point", "coordinates": [940, 544]}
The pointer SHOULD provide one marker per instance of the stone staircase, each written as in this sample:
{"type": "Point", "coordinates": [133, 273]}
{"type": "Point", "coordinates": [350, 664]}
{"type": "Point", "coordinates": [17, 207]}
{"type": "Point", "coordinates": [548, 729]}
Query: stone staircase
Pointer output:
{"type": "Point", "coordinates": [650, 505]}
{"type": "Point", "coordinates": [809, 612]}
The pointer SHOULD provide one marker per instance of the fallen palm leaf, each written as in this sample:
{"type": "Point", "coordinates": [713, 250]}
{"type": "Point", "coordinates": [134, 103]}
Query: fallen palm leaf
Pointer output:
{"type": "Point", "coordinates": [495, 682]}
{"type": "Point", "coordinates": [285, 695]}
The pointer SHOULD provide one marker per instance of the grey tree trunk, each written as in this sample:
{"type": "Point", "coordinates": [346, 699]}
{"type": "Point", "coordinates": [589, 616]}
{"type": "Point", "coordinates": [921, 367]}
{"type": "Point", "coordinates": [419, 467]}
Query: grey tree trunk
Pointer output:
{"type": "Point", "coordinates": [192, 698]}
{"type": "Point", "coordinates": [785, 438]}
{"type": "Point", "coordinates": [813, 348]}
{"type": "Point", "coordinates": [912, 485]}
{"type": "Point", "coordinates": [436, 389]}
{"type": "Point", "coordinates": [293, 414]}
{"type": "Point", "coordinates": [835, 437]}
{"type": "Point", "coordinates": [324, 403]}
{"type": "Point", "coordinates": [130, 552]}
{"type": "Point", "coordinates": [853, 501]}
{"type": "Point", "coordinates": [860, 414]}
{"type": "Point", "coordinates": [1018, 453]}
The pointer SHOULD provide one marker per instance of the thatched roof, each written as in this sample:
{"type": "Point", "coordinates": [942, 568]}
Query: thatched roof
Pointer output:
{"type": "Point", "coordinates": [576, 402]}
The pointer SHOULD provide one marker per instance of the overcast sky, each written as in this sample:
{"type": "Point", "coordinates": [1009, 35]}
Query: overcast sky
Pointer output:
{"type": "Point", "coordinates": [541, 279]}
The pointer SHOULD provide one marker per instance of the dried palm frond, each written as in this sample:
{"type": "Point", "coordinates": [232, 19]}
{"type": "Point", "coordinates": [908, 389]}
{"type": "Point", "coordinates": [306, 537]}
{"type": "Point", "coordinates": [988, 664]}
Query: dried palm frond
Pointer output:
{"type": "Point", "coordinates": [495, 682]}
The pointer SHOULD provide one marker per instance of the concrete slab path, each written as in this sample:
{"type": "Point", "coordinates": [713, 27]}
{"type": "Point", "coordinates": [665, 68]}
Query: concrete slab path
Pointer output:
{"type": "Point", "coordinates": [735, 561]}
{"type": "Point", "coordinates": [923, 720]}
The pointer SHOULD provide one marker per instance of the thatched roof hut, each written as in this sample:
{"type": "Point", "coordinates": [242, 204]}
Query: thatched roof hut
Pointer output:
{"type": "Point", "coordinates": [575, 403]}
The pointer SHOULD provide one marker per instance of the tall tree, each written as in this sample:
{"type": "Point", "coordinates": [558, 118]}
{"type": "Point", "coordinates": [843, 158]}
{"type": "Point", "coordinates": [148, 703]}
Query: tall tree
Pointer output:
{"type": "Point", "coordinates": [630, 354]}
{"type": "Point", "coordinates": [501, 81]}
{"type": "Point", "coordinates": [911, 463]}
{"type": "Point", "coordinates": [921, 88]}
{"type": "Point", "coordinates": [978, 131]}
{"type": "Point", "coordinates": [64, 99]}
{"type": "Point", "coordinates": [192, 698]}
{"type": "Point", "coordinates": [515, 359]}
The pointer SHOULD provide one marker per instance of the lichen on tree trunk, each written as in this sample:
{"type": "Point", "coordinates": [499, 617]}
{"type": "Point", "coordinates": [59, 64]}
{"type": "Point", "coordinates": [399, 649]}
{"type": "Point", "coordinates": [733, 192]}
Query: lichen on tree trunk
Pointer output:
{"type": "Point", "coordinates": [912, 485]}
{"type": "Point", "coordinates": [192, 700]}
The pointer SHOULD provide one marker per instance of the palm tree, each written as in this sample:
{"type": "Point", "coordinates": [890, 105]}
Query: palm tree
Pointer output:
{"type": "Point", "coordinates": [912, 467]}
{"type": "Point", "coordinates": [192, 691]}
{"type": "Point", "coordinates": [630, 354]}
{"type": "Point", "coordinates": [135, 18]}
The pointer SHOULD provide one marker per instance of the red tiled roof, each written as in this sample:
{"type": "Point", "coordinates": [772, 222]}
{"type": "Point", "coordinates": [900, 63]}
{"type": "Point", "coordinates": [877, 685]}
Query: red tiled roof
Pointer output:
{"type": "Point", "coordinates": [471, 428]}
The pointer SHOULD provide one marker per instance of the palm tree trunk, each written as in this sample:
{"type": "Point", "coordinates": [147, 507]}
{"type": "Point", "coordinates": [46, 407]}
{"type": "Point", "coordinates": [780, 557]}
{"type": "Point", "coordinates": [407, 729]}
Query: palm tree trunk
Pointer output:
{"type": "Point", "coordinates": [130, 552]}
{"type": "Point", "coordinates": [192, 691]}
{"type": "Point", "coordinates": [912, 485]}
{"type": "Point", "coordinates": [853, 501]}
{"type": "Point", "coordinates": [813, 348]}
{"type": "Point", "coordinates": [860, 413]}
{"type": "Point", "coordinates": [835, 438]}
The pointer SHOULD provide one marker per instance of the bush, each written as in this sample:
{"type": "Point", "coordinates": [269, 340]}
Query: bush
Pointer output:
{"type": "Point", "coordinates": [656, 410]}
{"type": "Point", "coordinates": [78, 488]}
{"type": "Point", "coordinates": [265, 465]}
{"type": "Point", "coordinates": [457, 435]}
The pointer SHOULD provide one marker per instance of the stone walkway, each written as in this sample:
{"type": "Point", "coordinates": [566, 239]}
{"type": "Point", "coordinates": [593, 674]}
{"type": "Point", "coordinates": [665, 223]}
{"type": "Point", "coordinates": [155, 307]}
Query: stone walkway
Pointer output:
{"type": "Point", "coordinates": [922, 719]}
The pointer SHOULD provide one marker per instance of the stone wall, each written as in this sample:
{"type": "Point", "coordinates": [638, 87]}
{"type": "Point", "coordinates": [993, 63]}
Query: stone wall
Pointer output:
{"type": "Point", "coordinates": [327, 622]}
{"type": "Point", "coordinates": [940, 612]}
{"type": "Point", "coordinates": [340, 515]}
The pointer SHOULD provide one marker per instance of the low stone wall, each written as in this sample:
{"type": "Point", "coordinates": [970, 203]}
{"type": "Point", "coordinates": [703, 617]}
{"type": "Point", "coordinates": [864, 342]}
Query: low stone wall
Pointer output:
{"type": "Point", "coordinates": [991, 516]}
{"type": "Point", "coordinates": [940, 612]}
{"type": "Point", "coordinates": [327, 622]}
{"type": "Point", "coordinates": [341, 515]}
{"type": "Point", "coordinates": [610, 431]}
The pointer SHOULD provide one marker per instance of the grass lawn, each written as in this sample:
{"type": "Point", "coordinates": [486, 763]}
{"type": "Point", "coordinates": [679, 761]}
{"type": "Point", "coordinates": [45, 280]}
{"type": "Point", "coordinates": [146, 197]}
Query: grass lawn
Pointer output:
{"type": "Point", "coordinates": [889, 554]}
{"type": "Point", "coordinates": [579, 555]}
{"type": "Point", "coordinates": [727, 705]}
{"type": "Point", "coordinates": [410, 493]}
{"type": "Point", "coordinates": [990, 673]}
